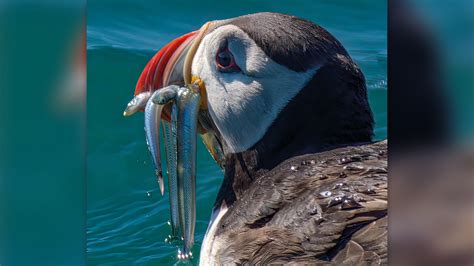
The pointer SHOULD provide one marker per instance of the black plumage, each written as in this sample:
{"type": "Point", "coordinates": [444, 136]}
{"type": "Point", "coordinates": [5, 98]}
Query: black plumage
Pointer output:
{"type": "Point", "coordinates": [314, 188]}
{"type": "Point", "coordinates": [316, 208]}
{"type": "Point", "coordinates": [294, 42]}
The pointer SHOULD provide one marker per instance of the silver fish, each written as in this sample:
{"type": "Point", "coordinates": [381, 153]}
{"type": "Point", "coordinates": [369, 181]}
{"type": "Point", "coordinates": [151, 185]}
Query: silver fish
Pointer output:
{"type": "Point", "coordinates": [137, 103]}
{"type": "Point", "coordinates": [152, 132]}
{"type": "Point", "coordinates": [167, 95]}
{"type": "Point", "coordinates": [187, 103]}
{"type": "Point", "coordinates": [169, 130]}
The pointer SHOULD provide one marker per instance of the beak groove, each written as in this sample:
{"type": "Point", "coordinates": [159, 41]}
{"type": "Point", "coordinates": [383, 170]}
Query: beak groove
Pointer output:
{"type": "Point", "coordinates": [152, 76]}
{"type": "Point", "coordinates": [192, 51]}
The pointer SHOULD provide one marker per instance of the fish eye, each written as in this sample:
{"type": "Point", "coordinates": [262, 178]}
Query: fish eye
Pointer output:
{"type": "Point", "coordinates": [225, 60]}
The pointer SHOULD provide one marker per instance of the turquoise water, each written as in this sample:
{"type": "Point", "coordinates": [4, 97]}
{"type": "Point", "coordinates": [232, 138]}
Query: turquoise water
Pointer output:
{"type": "Point", "coordinates": [126, 215]}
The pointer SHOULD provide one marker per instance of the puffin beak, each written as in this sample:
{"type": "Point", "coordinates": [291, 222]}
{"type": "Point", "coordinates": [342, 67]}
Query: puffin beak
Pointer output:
{"type": "Point", "coordinates": [164, 68]}
{"type": "Point", "coordinates": [170, 65]}
{"type": "Point", "coordinates": [159, 69]}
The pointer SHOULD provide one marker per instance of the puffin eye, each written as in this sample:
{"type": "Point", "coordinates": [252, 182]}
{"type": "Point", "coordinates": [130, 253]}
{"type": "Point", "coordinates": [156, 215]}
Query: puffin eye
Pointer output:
{"type": "Point", "coordinates": [225, 61]}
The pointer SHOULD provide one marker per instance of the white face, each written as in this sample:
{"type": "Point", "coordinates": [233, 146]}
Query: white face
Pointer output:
{"type": "Point", "coordinates": [244, 104]}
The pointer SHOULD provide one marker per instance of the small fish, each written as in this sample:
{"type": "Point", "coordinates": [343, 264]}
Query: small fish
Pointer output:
{"type": "Point", "coordinates": [187, 103]}
{"type": "Point", "coordinates": [137, 103]}
{"type": "Point", "coordinates": [169, 130]}
{"type": "Point", "coordinates": [165, 95]}
{"type": "Point", "coordinates": [152, 132]}
{"type": "Point", "coordinates": [214, 147]}
{"type": "Point", "coordinates": [168, 95]}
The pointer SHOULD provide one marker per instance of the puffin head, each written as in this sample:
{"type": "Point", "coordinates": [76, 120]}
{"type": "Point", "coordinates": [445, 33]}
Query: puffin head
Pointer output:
{"type": "Point", "coordinates": [273, 83]}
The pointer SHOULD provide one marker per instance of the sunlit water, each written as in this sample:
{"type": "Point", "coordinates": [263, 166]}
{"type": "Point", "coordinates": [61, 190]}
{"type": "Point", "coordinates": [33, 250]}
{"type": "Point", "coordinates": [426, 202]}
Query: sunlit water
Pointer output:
{"type": "Point", "coordinates": [126, 215]}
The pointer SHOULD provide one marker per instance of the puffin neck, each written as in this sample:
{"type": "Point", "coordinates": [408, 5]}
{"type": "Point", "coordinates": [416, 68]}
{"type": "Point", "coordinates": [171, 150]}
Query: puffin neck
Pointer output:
{"type": "Point", "coordinates": [327, 113]}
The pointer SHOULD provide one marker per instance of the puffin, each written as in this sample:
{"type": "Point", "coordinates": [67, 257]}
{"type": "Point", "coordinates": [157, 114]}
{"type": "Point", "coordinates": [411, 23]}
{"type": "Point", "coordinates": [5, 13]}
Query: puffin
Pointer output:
{"type": "Point", "coordinates": [285, 113]}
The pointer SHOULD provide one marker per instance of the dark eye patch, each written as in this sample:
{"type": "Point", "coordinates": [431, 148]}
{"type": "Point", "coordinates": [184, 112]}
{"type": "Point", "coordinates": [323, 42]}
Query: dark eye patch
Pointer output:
{"type": "Point", "coordinates": [225, 61]}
